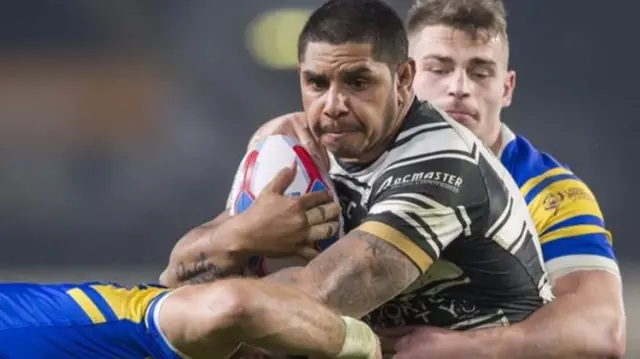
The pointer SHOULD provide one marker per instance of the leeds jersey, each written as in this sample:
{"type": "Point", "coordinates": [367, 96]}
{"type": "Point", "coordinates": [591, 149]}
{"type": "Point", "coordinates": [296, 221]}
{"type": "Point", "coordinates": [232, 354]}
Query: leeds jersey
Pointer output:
{"type": "Point", "coordinates": [564, 210]}
{"type": "Point", "coordinates": [442, 199]}
{"type": "Point", "coordinates": [91, 320]}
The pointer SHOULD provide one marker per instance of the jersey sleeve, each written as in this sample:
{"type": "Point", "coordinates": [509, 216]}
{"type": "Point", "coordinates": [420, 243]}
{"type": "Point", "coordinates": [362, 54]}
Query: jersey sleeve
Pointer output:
{"type": "Point", "coordinates": [420, 208]}
{"type": "Point", "coordinates": [572, 231]}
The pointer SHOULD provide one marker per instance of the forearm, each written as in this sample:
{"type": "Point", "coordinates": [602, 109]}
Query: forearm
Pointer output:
{"type": "Point", "coordinates": [227, 313]}
{"type": "Point", "coordinates": [208, 252]}
{"type": "Point", "coordinates": [585, 323]}
{"type": "Point", "coordinates": [284, 320]}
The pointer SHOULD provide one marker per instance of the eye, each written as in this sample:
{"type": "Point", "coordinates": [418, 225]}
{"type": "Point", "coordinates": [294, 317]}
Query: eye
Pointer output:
{"type": "Point", "coordinates": [481, 73]}
{"type": "Point", "coordinates": [437, 70]}
{"type": "Point", "coordinates": [318, 84]}
{"type": "Point", "coordinates": [358, 84]}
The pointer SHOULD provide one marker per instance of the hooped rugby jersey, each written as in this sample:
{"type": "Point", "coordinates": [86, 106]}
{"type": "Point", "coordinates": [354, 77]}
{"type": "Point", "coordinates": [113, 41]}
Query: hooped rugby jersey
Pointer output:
{"type": "Point", "coordinates": [564, 210]}
{"type": "Point", "coordinates": [89, 320]}
{"type": "Point", "coordinates": [439, 196]}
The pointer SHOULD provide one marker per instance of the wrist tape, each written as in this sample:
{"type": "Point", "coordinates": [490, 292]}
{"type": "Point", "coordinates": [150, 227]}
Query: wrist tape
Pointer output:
{"type": "Point", "coordinates": [359, 340]}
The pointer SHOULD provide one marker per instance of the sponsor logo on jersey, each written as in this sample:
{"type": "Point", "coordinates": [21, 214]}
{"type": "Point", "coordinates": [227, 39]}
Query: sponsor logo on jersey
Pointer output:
{"type": "Point", "coordinates": [441, 179]}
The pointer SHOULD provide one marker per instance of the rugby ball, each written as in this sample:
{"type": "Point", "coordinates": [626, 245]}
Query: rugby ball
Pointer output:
{"type": "Point", "coordinates": [260, 165]}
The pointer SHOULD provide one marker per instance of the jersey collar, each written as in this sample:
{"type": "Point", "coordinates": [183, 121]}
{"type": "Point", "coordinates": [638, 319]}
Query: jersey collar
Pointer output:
{"type": "Point", "coordinates": [506, 136]}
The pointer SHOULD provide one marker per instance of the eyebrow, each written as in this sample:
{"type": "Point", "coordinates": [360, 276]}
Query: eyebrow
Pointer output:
{"type": "Point", "coordinates": [357, 72]}
{"type": "Point", "coordinates": [348, 73]}
{"type": "Point", "coordinates": [308, 74]}
{"type": "Point", "coordinates": [477, 60]}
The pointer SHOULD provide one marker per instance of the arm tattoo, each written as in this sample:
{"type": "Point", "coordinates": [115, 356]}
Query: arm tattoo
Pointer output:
{"type": "Point", "coordinates": [356, 275]}
{"type": "Point", "coordinates": [201, 271]}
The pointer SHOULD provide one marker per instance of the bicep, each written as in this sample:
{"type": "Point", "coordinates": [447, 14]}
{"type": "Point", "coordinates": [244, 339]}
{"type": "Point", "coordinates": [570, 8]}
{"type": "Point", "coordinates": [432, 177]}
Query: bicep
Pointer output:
{"type": "Point", "coordinates": [359, 273]}
{"type": "Point", "coordinates": [421, 231]}
{"type": "Point", "coordinates": [421, 208]}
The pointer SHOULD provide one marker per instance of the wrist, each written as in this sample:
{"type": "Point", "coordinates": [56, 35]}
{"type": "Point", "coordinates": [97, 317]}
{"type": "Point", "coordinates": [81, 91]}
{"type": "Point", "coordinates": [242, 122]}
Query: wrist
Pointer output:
{"type": "Point", "coordinates": [359, 340]}
{"type": "Point", "coordinates": [495, 343]}
{"type": "Point", "coordinates": [236, 237]}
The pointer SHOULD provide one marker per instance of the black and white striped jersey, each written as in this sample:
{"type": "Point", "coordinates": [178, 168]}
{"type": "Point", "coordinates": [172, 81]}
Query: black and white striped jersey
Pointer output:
{"type": "Point", "coordinates": [439, 196]}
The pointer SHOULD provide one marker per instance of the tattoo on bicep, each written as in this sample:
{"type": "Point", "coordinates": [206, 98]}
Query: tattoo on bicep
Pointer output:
{"type": "Point", "coordinates": [374, 245]}
{"type": "Point", "coordinates": [201, 271]}
{"type": "Point", "coordinates": [361, 273]}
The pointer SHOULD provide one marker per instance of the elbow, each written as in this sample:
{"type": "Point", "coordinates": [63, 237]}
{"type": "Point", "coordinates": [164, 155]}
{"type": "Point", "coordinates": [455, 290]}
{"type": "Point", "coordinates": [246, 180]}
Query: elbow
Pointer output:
{"type": "Point", "coordinates": [227, 304]}
{"type": "Point", "coordinates": [611, 331]}
{"type": "Point", "coordinates": [607, 337]}
{"type": "Point", "coordinates": [614, 335]}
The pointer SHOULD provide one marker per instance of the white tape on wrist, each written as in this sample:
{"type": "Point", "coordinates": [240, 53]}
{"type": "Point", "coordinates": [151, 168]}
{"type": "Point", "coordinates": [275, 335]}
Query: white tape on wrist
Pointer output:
{"type": "Point", "coordinates": [359, 340]}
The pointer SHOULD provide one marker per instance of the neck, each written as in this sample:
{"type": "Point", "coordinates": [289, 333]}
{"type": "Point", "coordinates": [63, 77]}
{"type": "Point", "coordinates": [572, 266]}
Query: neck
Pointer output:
{"type": "Point", "coordinates": [497, 144]}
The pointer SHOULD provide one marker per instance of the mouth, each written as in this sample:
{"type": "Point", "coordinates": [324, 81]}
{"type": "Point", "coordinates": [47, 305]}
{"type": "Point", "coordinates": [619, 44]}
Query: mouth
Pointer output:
{"type": "Point", "coordinates": [335, 135]}
{"type": "Point", "coordinates": [463, 117]}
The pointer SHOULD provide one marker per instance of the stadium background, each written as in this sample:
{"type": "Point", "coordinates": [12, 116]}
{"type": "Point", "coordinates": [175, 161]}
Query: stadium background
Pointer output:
{"type": "Point", "coordinates": [122, 122]}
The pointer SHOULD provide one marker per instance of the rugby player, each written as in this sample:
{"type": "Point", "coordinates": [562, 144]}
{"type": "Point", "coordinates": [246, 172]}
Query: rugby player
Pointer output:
{"type": "Point", "coordinates": [461, 49]}
{"type": "Point", "coordinates": [436, 230]}
{"type": "Point", "coordinates": [96, 320]}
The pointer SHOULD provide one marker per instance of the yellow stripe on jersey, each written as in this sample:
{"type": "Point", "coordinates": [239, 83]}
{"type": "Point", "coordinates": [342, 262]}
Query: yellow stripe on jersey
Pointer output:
{"type": "Point", "coordinates": [87, 305]}
{"type": "Point", "coordinates": [534, 181]}
{"type": "Point", "coordinates": [398, 240]}
{"type": "Point", "coordinates": [128, 303]}
{"type": "Point", "coordinates": [559, 204]}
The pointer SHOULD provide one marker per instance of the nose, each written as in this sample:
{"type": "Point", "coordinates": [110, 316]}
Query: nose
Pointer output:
{"type": "Point", "coordinates": [335, 105]}
{"type": "Point", "coordinates": [459, 85]}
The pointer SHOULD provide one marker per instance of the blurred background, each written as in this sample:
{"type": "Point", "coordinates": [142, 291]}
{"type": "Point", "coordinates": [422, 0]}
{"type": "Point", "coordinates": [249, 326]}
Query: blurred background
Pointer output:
{"type": "Point", "coordinates": [122, 122]}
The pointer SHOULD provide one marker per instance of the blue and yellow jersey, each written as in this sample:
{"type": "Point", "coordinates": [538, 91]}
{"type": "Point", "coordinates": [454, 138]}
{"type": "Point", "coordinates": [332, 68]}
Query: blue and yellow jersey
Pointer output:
{"type": "Point", "coordinates": [565, 212]}
{"type": "Point", "coordinates": [91, 320]}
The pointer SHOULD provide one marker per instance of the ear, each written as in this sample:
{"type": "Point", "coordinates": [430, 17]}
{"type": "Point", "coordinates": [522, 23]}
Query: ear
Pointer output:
{"type": "Point", "coordinates": [509, 87]}
{"type": "Point", "coordinates": [405, 74]}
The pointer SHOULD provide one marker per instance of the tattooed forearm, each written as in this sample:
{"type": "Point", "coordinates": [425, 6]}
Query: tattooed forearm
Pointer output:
{"type": "Point", "coordinates": [200, 271]}
{"type": "Point", "coordinates": [355, 275]}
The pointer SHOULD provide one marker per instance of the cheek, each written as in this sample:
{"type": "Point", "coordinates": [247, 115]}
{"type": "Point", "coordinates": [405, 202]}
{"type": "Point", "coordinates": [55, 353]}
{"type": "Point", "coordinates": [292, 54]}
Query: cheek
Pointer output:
{"type": "Point", "coordinates": [308, 101]}
{"type": "Point", "coordinates": [365, 113]}
{"type": "Point", "coordinates": [428, 88]}
{"type": "Point", "coordinates": [491, 97]}
{"type": "Point", "coordinates": [313, 111]}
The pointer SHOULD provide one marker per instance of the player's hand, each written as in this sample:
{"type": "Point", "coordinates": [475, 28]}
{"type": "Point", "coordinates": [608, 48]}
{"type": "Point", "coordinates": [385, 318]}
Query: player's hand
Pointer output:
{"type": "Point", "coordinates": [294, 125]}
{"type": "Point", "coordinates": [277, 225]}
{"type": "Point", "coordinates": [426, 342]}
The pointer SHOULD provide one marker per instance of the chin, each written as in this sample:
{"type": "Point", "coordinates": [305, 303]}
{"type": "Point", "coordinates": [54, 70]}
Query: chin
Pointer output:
{"type": "Point", "coordinates": [347, 153]}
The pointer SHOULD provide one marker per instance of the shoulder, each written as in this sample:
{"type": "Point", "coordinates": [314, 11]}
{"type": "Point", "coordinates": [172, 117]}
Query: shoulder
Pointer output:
{"type": "Point", "coordinates": [565, 211]}
{"type": "Point", "coordinates": [539, 174]}
{"type": "Point", "coordinates": [526, 163]}
{"type": "Point", "coordinates": [435, 157]}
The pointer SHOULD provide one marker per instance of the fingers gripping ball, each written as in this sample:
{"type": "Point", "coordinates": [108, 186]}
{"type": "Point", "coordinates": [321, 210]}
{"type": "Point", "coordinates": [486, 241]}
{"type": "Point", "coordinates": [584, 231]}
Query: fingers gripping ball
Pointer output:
{"type": "Point", "coordinates": [264, 160]}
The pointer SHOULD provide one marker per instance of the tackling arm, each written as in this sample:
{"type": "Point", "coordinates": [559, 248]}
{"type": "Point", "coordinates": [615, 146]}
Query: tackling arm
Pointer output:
{"type": "Point", "coordinates": [585, 321]}
{"type": "Point", "coordinates": [224, 314]}
{"type": "Point", "coordinates": [587, 318]}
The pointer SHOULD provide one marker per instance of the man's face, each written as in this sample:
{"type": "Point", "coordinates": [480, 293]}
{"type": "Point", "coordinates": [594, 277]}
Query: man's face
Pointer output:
{"type": "Point", "coordinates": [466, 77]}
{"type": "Point", "coordinates": [351, 100]}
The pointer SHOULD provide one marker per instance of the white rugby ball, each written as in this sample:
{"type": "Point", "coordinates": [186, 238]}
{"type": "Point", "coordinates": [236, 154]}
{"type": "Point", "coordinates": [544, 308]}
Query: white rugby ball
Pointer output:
{"type": "Point", "coordinates": [259, 166]}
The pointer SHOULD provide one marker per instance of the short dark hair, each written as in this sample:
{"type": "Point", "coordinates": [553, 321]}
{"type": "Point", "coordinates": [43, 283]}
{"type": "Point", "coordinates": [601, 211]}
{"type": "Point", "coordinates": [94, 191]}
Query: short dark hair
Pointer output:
{"type": "Point", "coordinates": [472, 16]}
{"type": "Point", "coordinates": [360, 21]}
